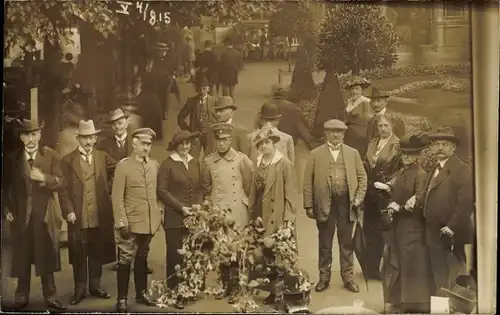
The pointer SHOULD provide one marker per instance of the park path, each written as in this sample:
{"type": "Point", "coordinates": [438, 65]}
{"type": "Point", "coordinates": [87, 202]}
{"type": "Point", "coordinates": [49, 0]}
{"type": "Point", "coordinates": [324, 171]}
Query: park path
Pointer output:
{"type": "Point", "coordinates": [255, 85]}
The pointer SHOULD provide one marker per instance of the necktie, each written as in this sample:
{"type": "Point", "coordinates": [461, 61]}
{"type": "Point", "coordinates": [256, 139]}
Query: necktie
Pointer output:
{"type": "Point", "coordinates": [31, 161]}
{"type": "Point", "coordinates": [438, 168]}
{"type": "Point", "coordinates": [86, 157]}
{"type": "Point", "coordinates": [120, 143]}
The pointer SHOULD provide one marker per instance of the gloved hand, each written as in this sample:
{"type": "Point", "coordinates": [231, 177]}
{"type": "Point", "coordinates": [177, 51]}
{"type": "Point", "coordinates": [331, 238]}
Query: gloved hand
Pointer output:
{"type": "Point", "coordinates": [125, 232]}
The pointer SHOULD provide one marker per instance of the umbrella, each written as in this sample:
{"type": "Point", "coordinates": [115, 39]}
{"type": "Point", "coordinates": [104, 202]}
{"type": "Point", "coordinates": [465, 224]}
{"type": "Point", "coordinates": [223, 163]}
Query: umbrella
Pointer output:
{"type": "Point", "coordinates": [389, 271]}
{"type": "Point", "coordinates": [358, 240]}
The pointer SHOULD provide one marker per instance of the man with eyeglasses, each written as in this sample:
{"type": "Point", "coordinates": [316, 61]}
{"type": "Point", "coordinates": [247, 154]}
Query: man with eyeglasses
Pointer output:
{"type": "Point", "coordinates": [137, 216]}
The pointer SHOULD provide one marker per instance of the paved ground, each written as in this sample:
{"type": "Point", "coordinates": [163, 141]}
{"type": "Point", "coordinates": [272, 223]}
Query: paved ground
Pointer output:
{"type": "Point", "coordinates": [254, 88]}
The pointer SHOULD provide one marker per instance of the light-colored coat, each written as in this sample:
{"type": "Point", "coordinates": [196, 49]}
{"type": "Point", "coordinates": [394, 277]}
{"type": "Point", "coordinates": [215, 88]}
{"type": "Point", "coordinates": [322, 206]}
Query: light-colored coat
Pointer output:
{"type": "Point", "coordinates": [135, 202]}
{"type": "Point", "coordinates": [285, 145]}
{"type": "Point", "coordinates": [279, 201]}
{"type": "Point", "coordinates": [226, 181]}
{"type": "Point", "coordinates": [318, 185]}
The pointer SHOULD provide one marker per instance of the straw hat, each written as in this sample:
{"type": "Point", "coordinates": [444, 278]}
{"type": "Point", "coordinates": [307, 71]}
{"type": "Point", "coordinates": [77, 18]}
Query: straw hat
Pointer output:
{"type": "Point", "coordinates": [357, 80]}
{"type": "Point", "coordinates": [266, 134]}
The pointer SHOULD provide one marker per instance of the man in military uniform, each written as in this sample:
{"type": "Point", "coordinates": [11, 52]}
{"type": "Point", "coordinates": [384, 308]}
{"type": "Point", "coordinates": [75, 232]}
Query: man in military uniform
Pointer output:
{"type": "Point", "coordinates": [200, 110]}
{"type": "Point", "coordinates": [119, 146]}
{"type": "Point", "coordinates": [137, 215]}
{"type": "Point", "coordinates": [226, 180]}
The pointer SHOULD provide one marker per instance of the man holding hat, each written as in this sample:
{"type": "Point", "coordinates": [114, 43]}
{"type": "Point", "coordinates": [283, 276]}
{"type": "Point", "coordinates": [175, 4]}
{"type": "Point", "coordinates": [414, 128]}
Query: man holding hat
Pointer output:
{"type": "Point", "coordinates": [224, 109]}
{"type": "Point", "coordinates": [137, 215]}
{"type": "Point", "coordinates": [379, 101]}
{"type": "Point", "coordinates": [32, 175]}
{"type": "Point", "coordinates": [335, 184]}
{"type": "Point", "coordinates": [86, 205]}
{"type": "Point", "coordinates": [270, 118]}
{"type": "Point", "coordinates": [226, 180]}
{"type": "Point", "coordinates": [448, 206]}
{"type": "Point", "coordinates": [200, 110]}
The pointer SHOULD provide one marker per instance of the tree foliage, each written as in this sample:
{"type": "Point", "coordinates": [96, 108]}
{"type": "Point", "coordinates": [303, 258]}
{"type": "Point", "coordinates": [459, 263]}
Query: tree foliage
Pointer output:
{"type": "Point", "coordinates": [292, 19]}
{"type": "Point", "coordinates": [356, 37]}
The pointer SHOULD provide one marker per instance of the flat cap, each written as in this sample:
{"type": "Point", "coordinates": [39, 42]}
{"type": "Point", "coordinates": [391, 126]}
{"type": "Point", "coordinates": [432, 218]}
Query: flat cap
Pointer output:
{"type": "Point", "coordinates": [144, 134]}
{"type": "Point", "coordinates": [222, 130]}
{"type": "Point", "coordinates": [334, 124]}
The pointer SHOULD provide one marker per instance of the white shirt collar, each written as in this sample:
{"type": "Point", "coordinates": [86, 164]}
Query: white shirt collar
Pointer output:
{"type": "Point", "coordinates": [84, 155]}
{"type": "Point", "coordinates": [383, 111]}
{"type": "Point", "coordinates": [276, 157]}
{"type": "Point", "coordinates": [230, 121]}
{"type": "Point", "coordinates": [32, 154]}
{"type": "Point", "coordinates": [122, 138]}
{"type": "Point", "coordinates": [176, 157]}
{"type": "Point", "coordinates": [333, 147]}
{"type": "Point", "coordinates": [443, 162]}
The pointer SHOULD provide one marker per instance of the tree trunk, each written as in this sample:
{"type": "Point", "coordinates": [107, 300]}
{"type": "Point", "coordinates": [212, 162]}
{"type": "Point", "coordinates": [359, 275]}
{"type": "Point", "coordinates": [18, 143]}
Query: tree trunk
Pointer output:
{"type": "Point", "coordinates": [289, 55]}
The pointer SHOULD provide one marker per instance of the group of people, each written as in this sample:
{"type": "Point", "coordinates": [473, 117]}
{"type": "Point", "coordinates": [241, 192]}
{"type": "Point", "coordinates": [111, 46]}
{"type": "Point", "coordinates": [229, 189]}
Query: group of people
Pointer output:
{"type": "Point", "coordinates": [112, 193]}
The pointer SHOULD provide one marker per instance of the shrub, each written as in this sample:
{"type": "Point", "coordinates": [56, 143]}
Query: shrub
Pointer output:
{"type": "Point", "coordinates": [354, 37]}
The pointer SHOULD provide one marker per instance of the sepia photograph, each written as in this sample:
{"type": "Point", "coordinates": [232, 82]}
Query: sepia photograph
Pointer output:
{"type": "Point", "coordinates": [244, 156]}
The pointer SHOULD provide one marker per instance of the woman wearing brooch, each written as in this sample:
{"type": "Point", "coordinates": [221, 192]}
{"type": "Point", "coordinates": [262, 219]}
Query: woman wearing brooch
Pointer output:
{"type": "Point", "coordinates": [358, 113]}
{"type": "Point", "coordinates": [273, 192]}
{"type": "Point", "coordinates": [179, 188]}
{"type": "Point", "coordinates": [405, 269]}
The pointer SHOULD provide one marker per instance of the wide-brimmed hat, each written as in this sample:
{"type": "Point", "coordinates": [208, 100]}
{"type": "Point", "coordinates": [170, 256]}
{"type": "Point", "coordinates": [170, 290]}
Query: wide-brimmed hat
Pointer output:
{"type": "Point", "coordinates": [444, 133]}
{"type": "Point", "coordinates": [161, 46]}
{"type": "Point", "coordinates": [28, 125]}
{"type": "Point", "coordinates": [117, 114]}
{"type": "Point", "coordinates": [266, 134]}
{"type": "Point", "coordinates": [334, 124]}
{"type": "Point", "coordinates": [224, 102]}
{"type": "Point", "coordinates": [357, 80]}
{"type": "Point", "coordinates": [463, 295]}
{"type": "Point", "coordinates": [87, 128]}
{"type": "Point", "coordinates": [376, 93]}
{"type": "Point", "coordinates": [270, 111]}
{"type": "Point", "coordinates": [414, 143]}
{"type": "Point", "coordinates": [179, 137]}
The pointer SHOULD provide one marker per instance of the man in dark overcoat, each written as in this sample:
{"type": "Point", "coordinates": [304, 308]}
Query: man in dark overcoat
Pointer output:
{"type": "Point", "coordinates": [201, 113]}
{"type": "Point", "coordinates": [379, 101]}
{"type": "Point", "coordinates": [224, 109]}
{"type": "Point", "coordinates": [334, 188]}
{"type": "Point", "coordinates": [448, 207]}
{"type": "Point", "coordinates": [230, 64]}
{"type": "Point", "coordinates": [207, 64]}
{"type": "Point", "coordinates": [32, 176]}
{"type": "Point", "coordinates": [86, 205]}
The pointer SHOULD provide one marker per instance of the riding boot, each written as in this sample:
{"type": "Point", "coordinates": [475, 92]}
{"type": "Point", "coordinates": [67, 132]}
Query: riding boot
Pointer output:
{"type": "Point", "coordinates": [141, 282]}
{"type": "Point", "coordinates": [123, 276]}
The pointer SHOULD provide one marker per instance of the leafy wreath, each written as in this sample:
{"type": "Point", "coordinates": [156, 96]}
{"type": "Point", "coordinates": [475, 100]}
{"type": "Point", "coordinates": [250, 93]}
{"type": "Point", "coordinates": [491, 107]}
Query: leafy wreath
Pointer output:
{"type": "Point", "coordinates": [258, 259]}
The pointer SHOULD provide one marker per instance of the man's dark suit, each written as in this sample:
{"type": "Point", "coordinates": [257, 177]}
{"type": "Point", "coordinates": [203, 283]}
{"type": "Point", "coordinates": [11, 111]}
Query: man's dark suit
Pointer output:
{"type": "Point", "coordinates": [194, 108]}
{"type": "Point", "coordinates": [208, 65]}
{"type": "Point", "coordinates": [449, 202]}
{"type": "Point", "coordinates": [398, 128]}
{"type": "Point", "coordinates": [230, 64]}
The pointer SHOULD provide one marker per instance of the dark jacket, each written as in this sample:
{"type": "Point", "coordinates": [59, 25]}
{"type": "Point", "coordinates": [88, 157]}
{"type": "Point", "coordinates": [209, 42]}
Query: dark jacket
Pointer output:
{"type": "Point", "coordinates": [450, 201]}
{"type": "Point", "coordinates": [293, 123]}
{"type": "Point", "coordinates": [192, 108]}
{"type": "Point", "coordinates": [230, 64]}
{"type": "Point", "coordinates": [110, 146]}
{"type": "Point", "coordinates": [14, 199]}
{"type": "Point", "coordinates": [72, 199]}
{"type": "Point", "coordinates": [178, 187]}
{"type": "Point", "coordinates": [208, 65]}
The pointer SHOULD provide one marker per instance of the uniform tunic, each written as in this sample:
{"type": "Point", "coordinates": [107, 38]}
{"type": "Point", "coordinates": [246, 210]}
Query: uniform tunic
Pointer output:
{"type": "Point", "coordinates": [227, 181]}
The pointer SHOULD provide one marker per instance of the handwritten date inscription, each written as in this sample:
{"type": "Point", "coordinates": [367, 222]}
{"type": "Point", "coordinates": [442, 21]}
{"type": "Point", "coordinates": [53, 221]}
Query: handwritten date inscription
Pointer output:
{"type": "Point", "coordinates": [149, 15]}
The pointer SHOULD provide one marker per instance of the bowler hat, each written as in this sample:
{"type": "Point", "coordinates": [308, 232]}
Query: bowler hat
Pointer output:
{"type": "Point", "coordinates": [444, 133]}
{"type": "Point", "coordinates": [179, 137]}
{"type": "Point", "coordinates": [28, 125]}
{"type": "Point", "coordinates": [265, 134]}
{"type": "Point", "coordinates": [334, 124]}
{"type": "Point", "coordinates": [202, 81]}
{"type": "Point", "coordinates": [144, 134]}
{"type": "Point", "coordinates": [128, 98]}
{"type": "Point", "coordinates": [376, 93]}
{"type": "Point", "coordinates": [87, 128]}
{"type": "Point", "coordinates": [414, 143]}
{"type": "Point", "coordinates": [357, 80]}
{"type": "Point", "coordinates": [222, 130]}
{"type": "Point", "coordinates": [270, 111]}
{"type": "Point", "coordinates": [117, 114]}
{"type": "Point", "coordinates": [463, 295]}
{"type": "Point", "coordinates": [224, 102]}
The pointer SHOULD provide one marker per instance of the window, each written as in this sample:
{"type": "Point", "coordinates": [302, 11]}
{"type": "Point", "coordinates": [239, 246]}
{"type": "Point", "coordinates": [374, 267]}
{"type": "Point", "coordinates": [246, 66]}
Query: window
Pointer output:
{"type": "Point", "coordinates": [454, 11]}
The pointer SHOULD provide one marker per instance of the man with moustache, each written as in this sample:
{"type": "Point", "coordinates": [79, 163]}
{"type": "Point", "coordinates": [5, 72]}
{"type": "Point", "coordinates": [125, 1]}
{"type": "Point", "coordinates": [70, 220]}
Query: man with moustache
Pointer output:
{"type": "Point", "coordinates": [86, 205]}
{"type": "Point", "coordinates": [379, 105]}
{"type": "Point", "coordinates": [226, 182]}
{"type": "Point", "coordinates": [33, 174]}
{"type": "Point", "coordinates": [335, 185]}
{"type": "Point", "coordinates": [448, 206]}
{"type": "Point", "coordinates": [200, 110]}
{"type": "Point", "coordinates": [224, 109]}
{"type": "Point", "coordinates": [137, 216]}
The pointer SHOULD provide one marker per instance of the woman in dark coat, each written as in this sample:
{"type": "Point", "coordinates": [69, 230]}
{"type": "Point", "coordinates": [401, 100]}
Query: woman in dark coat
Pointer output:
{"type": "Point", "coordinates": [179, 188]}
{"type": "Point", "coordinates": [382, 161]}
{"type": "Point", "coordinates": [273, 192]}
{"type": "Point", "coordinates": [406, 269]}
